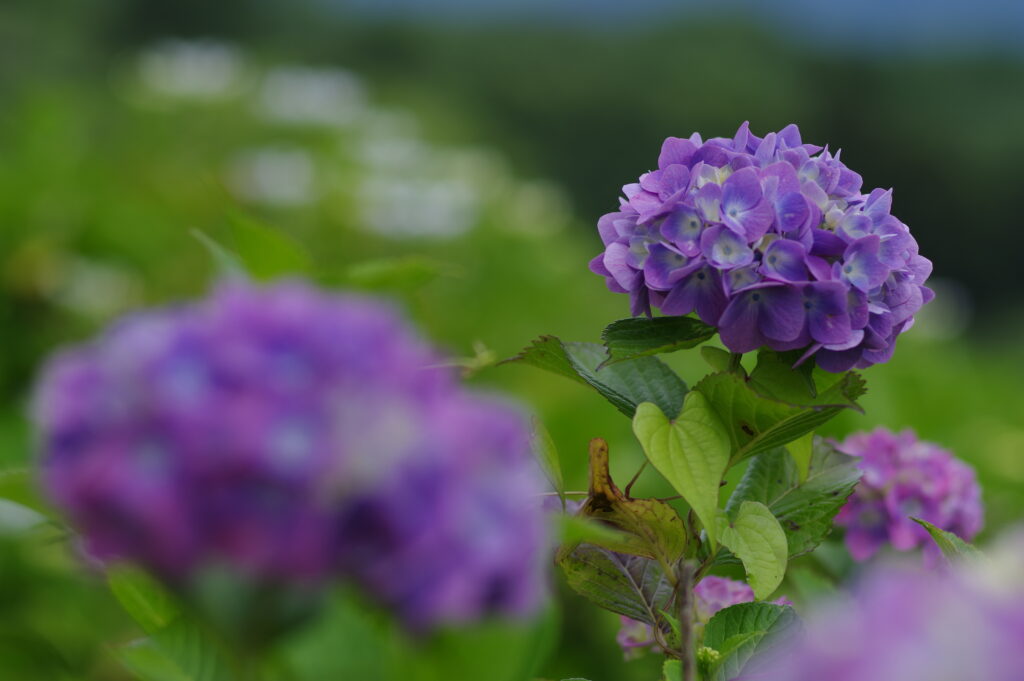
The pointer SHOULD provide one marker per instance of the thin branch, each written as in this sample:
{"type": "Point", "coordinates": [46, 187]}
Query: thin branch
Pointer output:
{"type": "Point", "coordinates": [629, 485]}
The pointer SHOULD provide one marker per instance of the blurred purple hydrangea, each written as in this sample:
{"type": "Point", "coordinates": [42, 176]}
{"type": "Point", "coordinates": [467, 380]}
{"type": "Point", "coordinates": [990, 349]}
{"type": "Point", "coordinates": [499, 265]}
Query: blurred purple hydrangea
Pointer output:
{"type": "Point", "coordinates": [905, 625]}
{"type": "Point", "coordinates": [770, 240]}
{"type": "Point", "coordinates": [710, 595]}
{"type": "Point", "coordinates": [294, 437]}
{"type": "Point", "coordinates": [905, 477]}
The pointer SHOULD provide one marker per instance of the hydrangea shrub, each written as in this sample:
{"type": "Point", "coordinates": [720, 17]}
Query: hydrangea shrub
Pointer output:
{"type": "Point", "coordinates": [295, 439]}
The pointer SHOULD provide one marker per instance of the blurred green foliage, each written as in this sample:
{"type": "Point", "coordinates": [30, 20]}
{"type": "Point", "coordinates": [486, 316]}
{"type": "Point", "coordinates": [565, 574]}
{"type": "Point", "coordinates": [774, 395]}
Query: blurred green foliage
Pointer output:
{"type": "Point", "coordinates": [103, 182]}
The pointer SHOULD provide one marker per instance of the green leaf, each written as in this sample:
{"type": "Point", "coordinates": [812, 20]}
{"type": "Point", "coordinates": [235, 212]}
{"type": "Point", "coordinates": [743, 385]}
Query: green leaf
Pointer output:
{"type": "Point", "coordinates": [16, 518]}
{"type": "Point", "coordinates": [775, 377]}
{"type": "Point", "coordinates": [747, 636]}
{"type": "Point", "coordinates": [19, 485]}
{"type": "Point", "coordinates": [625, 385]}
{"type": "Point", "coordinates": [757, 539]}
{"type": "Point", "coordinates": [953, 547]}
{"type": "Point", "coordinates": [181, 651]}
{"type": "Point", "coordinates": [142, 597]}
{"type": "Point", "coordinates": [576, 529]}
{"type": "Point", "coordinates": [633, 586]}
{"type": "Point", "coordinates": [717, 358]}
{"type": "Point", "coordinates": [802, 450]}
{"type": "Point", "coordinates": [641, 336]}
{"type": "Point", "coordinates": [649, 527]}
{"type": "Point", "coordinates": [691, 452]}
{"type": "Point", "coordinates": [805, 509]}
{"type": "Point", "coordinates": [267, 252]}
{"type": "Point", "coordinates": [547, 455]}
{"type": "Point", "coordinates": [228, 264]}
{"type": "Point", "coordinates": [146, 661]}
{"type": "Point", "coordinates": [406, 274]}
{"type": "Point", "coordinates": [672, 670]}
{"type": "Point", "coordinates": [759, 422]}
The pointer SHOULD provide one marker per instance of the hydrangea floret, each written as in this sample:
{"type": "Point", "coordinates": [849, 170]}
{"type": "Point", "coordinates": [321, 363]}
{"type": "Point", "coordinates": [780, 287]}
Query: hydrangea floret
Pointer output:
{"type": "Point", "coordinates": [903, 624]}
{"type": "Point", "coordinates": [906, 478]}
{"type": "Point", "coordinates": [294, 437]}
{"type": "Point", "coordinates": [773, 242]}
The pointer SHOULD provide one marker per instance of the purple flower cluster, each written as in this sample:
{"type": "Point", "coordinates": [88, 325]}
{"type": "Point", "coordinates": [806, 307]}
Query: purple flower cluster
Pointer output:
{"type": "Point", "coordinates": [905, 477]}
{"type": "Point", "coordinates": [710, 595]}
{"type": "Point", "coordinates": [294, 437]}
{"type": "Point", "coordinates": [903, 625]}
{"type": "Point", "coordinates": [771, 241]}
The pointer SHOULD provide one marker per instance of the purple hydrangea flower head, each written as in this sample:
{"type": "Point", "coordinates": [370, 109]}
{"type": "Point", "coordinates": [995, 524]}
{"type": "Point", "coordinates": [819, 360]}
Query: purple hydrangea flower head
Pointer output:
{"type": "Point", "coordinates": [772, 241]}
{"type": "Point", "coordinates": [905, 477]}
{"type": "Point", "coordinates": [907, 625]}
{"type": "Point", "coordinates": [294, 437]}
{"type": "Point", "coordinates": [716, 593]}
{"type": "Point", "coordinates": [710, 595]}
{"type": "Point", "coordinates": [635, 638]}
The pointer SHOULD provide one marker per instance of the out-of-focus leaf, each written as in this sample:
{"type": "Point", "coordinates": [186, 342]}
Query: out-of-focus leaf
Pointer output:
{"type": "Point", "coordinates": [228, 264]}
{"type": "Point", "coordinates": [672, 670]}
{"type": "Point", "coordinates": [756, 538]}
{"type": "Point", "coordinates": [142, 597]}
{"type": "Point", "coordinates": [267, 252]}
{"type": "Point", "coordinates": [641, 336]}
{"type": "Point", "coordinates": [16, 518]}
{"type": "Point", "coordinates": [747, 636]}
{"type": "Point", "coordinates": [547, 455]}
{"type": "Point", "coordinates": [575, 529]}
{"type": "Point", "coordinates": [625, 385]}
{"type": "Point", "coordinates": [953, 547]}
{"type": "Point", "coordinates": [181, 651]}
{"type": "Point", "coordinates": [805, 509]}
{"type": "Point", "coordinates": [691, 452]}
{"type": "Point", "coordinates": [403, 274]}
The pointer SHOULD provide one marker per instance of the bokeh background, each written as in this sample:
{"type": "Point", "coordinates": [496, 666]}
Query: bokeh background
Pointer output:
{"type": "Point", "coordinates": [455, 155]}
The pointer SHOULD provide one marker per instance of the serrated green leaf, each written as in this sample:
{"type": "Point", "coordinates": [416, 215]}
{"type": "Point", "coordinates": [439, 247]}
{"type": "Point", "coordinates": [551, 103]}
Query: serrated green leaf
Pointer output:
{"type": "Point", "coordinates": [625, 385]}
{"type": "Point", "coordinates": [953, 547]}
{"type": "Point", "coordinates": [691, 452]}
{"type": "Point", "coordinates": [747, 636]}
{"type": "Point", "coordinates": [757, 423]}
{"type": "Point", "coordinates": [756, 538]}
{"type": "Point", "coordinates": [547, 455]}
{"type": "Point", "coordinates": [633, 586]}
{"type": "Point", "coordinates": [805, 509]}
{"type": "Point", "coordinates": [267, 252]}
{"type": "Point", "coordinates": [641, 336]}
{"type": "Point", "coordinates": [142, 597]}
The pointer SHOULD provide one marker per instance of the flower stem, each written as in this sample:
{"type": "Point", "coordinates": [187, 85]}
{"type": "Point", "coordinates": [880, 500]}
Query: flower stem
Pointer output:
{"type": "Point", "coordinates": [684, 599]}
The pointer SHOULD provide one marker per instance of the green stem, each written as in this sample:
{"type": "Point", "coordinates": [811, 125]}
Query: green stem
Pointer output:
{"type": "Point", "coordinates": [684, 598]}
